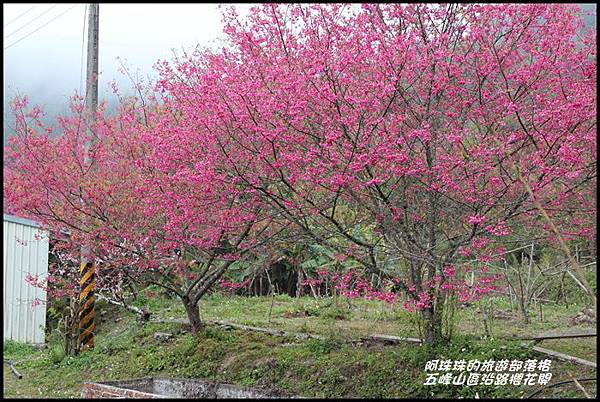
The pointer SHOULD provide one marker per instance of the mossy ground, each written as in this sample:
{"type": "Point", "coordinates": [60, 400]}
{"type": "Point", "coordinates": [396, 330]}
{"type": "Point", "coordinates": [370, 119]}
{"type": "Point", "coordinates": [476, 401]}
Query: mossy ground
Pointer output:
{"type": "Point", "coordinates": [314, 368]}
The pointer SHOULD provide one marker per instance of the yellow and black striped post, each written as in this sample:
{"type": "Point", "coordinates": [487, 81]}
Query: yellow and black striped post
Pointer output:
{"type": "Point", "coordinates": [86, 271]}
{"type": "Point", "coordinates": [87, 306]}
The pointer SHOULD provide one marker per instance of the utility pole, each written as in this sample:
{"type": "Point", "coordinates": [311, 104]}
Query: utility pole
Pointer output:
{"type": "Point", "coordinates": [86, 270]}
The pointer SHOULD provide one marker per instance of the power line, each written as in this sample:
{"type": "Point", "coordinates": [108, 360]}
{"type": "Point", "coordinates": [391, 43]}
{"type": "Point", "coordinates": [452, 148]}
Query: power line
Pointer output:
{"type": "Point", "coordinates": [82, 42]}
{"type": "Point", "coordinates": [20, 15]}
{"type": "Point", "coordinates": [31, 33]}
{"type": "Point", "coordinates": [29, 23]}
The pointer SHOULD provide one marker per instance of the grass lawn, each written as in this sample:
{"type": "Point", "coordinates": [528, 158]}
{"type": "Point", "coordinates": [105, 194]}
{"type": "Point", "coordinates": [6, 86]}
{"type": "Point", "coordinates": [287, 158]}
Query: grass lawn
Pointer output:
{"type": "Point", "coordinates": [323, 317]}
{"type": "Point", "coordinates": [313, 368]}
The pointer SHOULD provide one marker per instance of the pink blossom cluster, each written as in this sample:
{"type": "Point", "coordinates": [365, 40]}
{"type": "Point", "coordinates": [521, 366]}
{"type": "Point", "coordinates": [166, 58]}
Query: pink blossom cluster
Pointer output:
{"type": "Point", "coordinates": [476, 219]}
{"type": "Point", "coordinates": [312, 282]}
{"type": "Point", "coordinates": [353, 286]}
{"type": "Point", "coordinates": [234, 286]}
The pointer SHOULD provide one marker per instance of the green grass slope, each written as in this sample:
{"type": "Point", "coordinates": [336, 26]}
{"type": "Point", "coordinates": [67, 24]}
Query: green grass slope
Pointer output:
{"type": "Point", "coordinates": [326, 368]}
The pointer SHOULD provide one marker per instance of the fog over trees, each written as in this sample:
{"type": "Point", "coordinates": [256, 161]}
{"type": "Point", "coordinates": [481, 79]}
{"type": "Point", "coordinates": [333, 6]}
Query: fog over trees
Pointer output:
{"type": "Point", "coordinates": [47, 65]}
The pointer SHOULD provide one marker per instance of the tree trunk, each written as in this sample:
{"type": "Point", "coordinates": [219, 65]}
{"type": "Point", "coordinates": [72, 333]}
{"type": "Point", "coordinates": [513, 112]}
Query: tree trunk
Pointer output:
{"type": "Point", "coordinates": [524, 312]}
{"type": "Point", "coordinates": [433, 326]}
{"type": "Point", "coordinates": [193, 313]}
{"type": "Point", "coordinates": [299, 284]}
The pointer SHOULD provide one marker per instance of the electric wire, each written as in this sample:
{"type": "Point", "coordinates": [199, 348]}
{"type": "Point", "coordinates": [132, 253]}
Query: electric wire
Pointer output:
{"type": "Point", "coordinates": [29, 23]}
{"type": "Point", "coordinates": [31, 33]}
{"type": "Point", "coordinates": [82, 46]}
{"type": "Point", "coordinates": [20, 15]}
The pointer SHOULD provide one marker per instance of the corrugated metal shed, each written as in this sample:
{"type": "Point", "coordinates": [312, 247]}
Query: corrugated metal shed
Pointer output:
{"type": "Point", "coordinates": [25, 250]}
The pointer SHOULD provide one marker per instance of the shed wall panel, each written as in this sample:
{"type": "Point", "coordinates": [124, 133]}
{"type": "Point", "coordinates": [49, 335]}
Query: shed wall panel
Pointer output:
{"type": "Point", "coordinates": [25, 250]}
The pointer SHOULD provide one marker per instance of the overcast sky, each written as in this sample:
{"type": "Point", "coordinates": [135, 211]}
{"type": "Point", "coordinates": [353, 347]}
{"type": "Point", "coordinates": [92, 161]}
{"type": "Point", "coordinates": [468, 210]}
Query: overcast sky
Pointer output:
{"type": "Point", "coordinates": [47, 64]}
{"type": "Point", "coordinates": [43, 44]}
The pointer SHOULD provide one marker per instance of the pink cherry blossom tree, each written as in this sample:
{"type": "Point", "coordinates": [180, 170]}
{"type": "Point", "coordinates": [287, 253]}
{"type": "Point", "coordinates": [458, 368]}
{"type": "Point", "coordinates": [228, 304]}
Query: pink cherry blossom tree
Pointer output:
{"type": "Point", "coordinates": [406, 137]}
{"type": "Point", "coordinates": [178, 227]}
{"type": "Point", "coordinates": [392, 133]}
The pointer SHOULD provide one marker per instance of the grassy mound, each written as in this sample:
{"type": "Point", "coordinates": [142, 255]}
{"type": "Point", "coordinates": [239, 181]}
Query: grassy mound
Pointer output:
{"type": "Point", "coordinates": [328, 368]}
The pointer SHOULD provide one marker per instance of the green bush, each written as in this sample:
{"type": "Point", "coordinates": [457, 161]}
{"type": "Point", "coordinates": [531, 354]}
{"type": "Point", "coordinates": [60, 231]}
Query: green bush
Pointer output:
{"type": "Point", "coordinates": [12, 349]}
